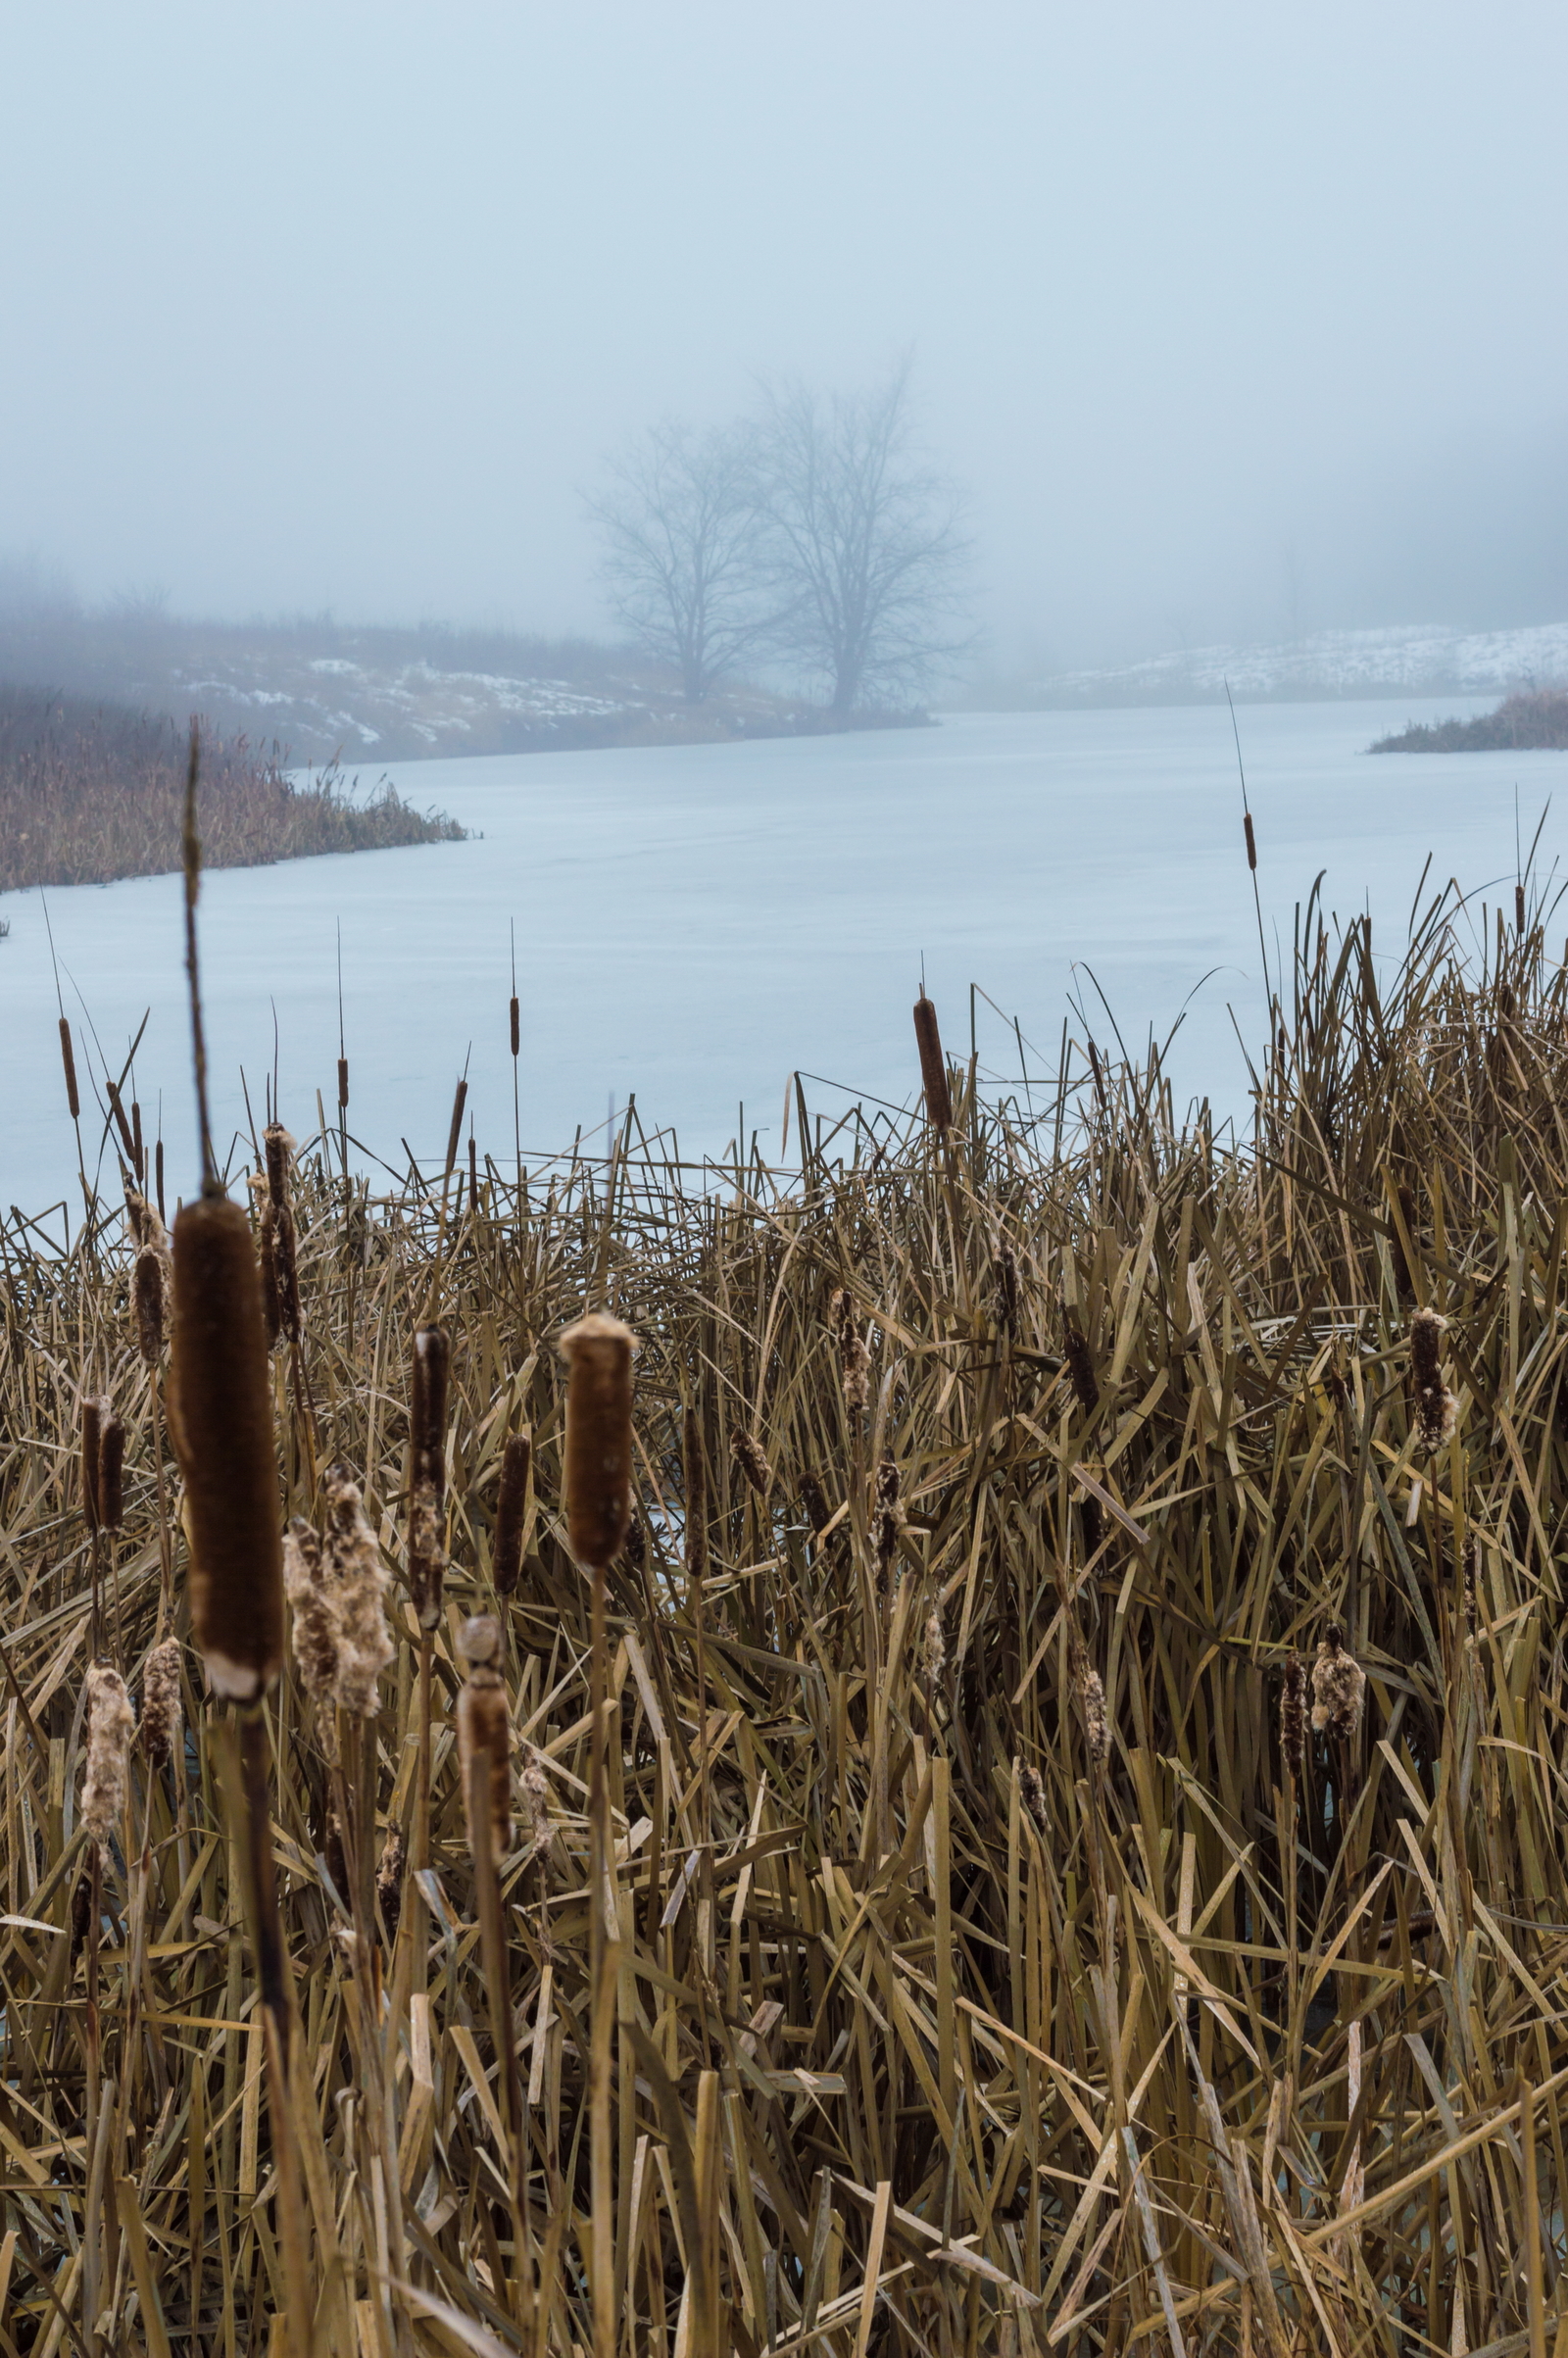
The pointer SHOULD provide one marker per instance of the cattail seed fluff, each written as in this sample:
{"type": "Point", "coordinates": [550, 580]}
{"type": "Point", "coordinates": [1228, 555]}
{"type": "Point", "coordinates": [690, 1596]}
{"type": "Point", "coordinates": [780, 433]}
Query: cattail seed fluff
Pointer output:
{"type": "Point", "coordinates": [752, 1458]}
{"type": "Point", "coordinates": [1339, 1688]}
{"type": "Point", "coordinates": [1032, 1794]}
{"type": "Point", "coordinates": [512, 1507]}
{"type": "Point", "coordinates": [533, 1791]}
{"type": "Point", "coordinates": [933, 1066]}
{"type": "Point", "coordinates": [111, 1724]}
{"type": "Point", "coordinates": [222, 1434]}
{"type": "Point", "coordinates": [854, 1360]}
{"type": "Point", "coordinates": [887, 1515]}
{"type": "Point", "coordinates": [312, 1604]}
{"type": "Point", "coordinates": [112, 1470]}
{"type": "Point", "coordinates": [1436, 1409]}
{"type": "Point", "coordinates": [389, 1878]}
{"type": "Point", "coordinates": [278, 1146]}
{"type": "Point", "coordinates": [359, 1578]}
{"type": "Point", "coordinates": [161, 1702]}
{"type": "Point", "coordinates": [598, 1354]}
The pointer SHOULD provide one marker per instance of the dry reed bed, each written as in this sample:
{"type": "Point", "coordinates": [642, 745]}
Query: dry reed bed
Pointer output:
{"type": "Point", "coordinates": [976, 1971]}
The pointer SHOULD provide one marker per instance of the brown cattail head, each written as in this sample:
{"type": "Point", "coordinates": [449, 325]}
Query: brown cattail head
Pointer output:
{"type": "Point", "coordinates": [1005, 1291]}
{"type": "Point", "coordinates": [598, 1354]}
{"type": "Point", "coordinates": [359, 1582]}
{"type": "Point", "coordinates": [1032, 1794]}
{"type": "Point", "coordinates": [460, 1097]}
{"type": "Point", "coordinates": [152, 1278]}
{"type": "Point", "coordinates": [279, 1230]}
{"type": "Point", "coordinates": [818, 1512]}
{"type": "Point", "coordinates": [533, 1793]}
{"type": "Point", "coordinates": [1252, 839]}
{"type": "Point", "coordinates": [111, 1724]}
{"type": "Point", "coordinates": [1090, 1695]}
{"type": "Point", "coordinates": [854, 1360]}
{"type": "Point", "coordinates": [506, 1550]}
{"type": "Point", "coordinates": [92, 1421]}
{"type": "Point", "coordinates": [67, 1056]}
{"type": "Point", "coordinates": [1339, 1688]}
{"type": "Point", "coordinates": [752, 1458]}
{"type": "Point", "coordinates": [1080, 1365]}
{"type": "Point", "coordinates": [161, 1702]}
{"type": "Point", "coordinates": [278, 1150]}
{"type": "Point", "coordinates": [389, 1878]}
{"type": "Point", "coordinates": [517, 1028]}
{"type": "Point", "coordinates": [1436, 1409]}
{"type": "Point", "coordinates": [221, 1427]}
{"type": "Point", "coordinates": [342, 1104]}
{"type": "Point", "coordinates": [933, 1066]}
{"type": "Point", "coordinates": [111, 1470]}
{"type": "Point", "coordinates": [1293, 1716]}
{"type": "Point", "coordinates": [428, 1377]}
{"type": "Point", "coordinates": [1519, 909]}
{"type": "Point", "coordinates": [312, 1593]}
{"type": "Point", "coordinates": [887, 1515]}
{"type": "Point", "coordinates": [484, 1733]}
{"type": "Point", "coordinates": [428, 1554]}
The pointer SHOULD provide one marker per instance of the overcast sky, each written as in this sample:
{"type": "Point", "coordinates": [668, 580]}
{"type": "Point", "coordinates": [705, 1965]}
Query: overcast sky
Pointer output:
{"type": "Point", "coordinates": [1234, 319]}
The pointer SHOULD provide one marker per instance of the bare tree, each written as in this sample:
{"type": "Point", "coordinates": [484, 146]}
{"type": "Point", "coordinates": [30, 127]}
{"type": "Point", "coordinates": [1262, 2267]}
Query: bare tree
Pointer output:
{"type": "Point", "coordinates": [864, 541]}
{"type": "Point", "coordinates": [679, 521]}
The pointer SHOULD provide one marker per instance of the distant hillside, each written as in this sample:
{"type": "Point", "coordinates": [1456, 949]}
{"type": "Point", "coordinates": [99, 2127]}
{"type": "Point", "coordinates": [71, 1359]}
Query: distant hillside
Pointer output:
{"type": "Point", "coordinates": [1524, 723]}
{"type": "Point", "coordinates": [317, 691]}
{"type": "Point", "coordinates": [1401, 660]}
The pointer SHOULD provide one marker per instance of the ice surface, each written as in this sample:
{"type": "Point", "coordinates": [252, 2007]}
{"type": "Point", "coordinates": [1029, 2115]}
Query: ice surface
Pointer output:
{"type": "Point", "coordinates": [1414, 656]}
{"type": "Point", "coordinates": [695, 922]}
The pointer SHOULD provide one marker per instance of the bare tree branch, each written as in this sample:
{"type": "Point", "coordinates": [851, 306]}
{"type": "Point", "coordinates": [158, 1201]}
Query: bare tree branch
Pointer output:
{"type": "Point", "coordinates": [680, 523]}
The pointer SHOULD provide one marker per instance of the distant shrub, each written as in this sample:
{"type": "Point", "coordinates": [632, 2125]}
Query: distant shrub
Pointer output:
{"type": "Point", "coordinates": [1531, 722]}
{"type": "Point", "coordinates": [89, 793]}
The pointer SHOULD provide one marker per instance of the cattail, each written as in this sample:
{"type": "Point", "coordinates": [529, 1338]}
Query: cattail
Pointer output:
{"type": "Point", "coordinates": [310, 1590]}
{"type": "Point", "coordinates": [343, 1092]}
{"type": "Point", "coordinates": [1519, 909]}
{"type": "Point", "coordinates": [152, 1278]}
{"type": "Point", "coordinates": [533, 1793]}
{"type": "Point", "coordinates": [455, 1133]}
{"type": "Point", "coordinates": [598, 1354]}
{"type": "Point", "coordinates": [506, 1549]}
{"type": "Point", "coordinates": [161, 1702]}
{"type": "Point", "coordinates": [278, 1147]}
{"type": "Point", "coordinates": [936, 1647]}
{"type": "Point", "coordinates": [752, 1458]}
{"type": "Point", "coordinates": [360, 1584]}
{"type": "Point", "coordinates": [695, 1470]}
{"type": "Point", "coordinates": [1436, 1411]}
{"type": "Point", "coordinates": [933, 1066]}
{"type": "Point", "coordinates": [1252, 839]}
{"type": "Point", "coordinates": [389, 1878]}
{"type": "Point", "coordinates": [1080, 1365]}
{"type": "Point", "coordinates": [1005, 1291]}
{"type": "Point", "coordinates": [1472, 1569]}
{"type": "Point", "coordinates": [267, 1248]}
{"type": "Point", "coordinates": [67, 1056]}
{"type": "Point", "coordinates": [887, 1515]}
{"type": "Point", "coordinates": [816, 1505]}
{"type": "Point", "coordinates": [484, 1731]}
{"type": "Point", "coordinates": [517, 1027]}
{"type": "Point", "coordinates": [1032, 1794]}
{"type": "Point", "coordinates": [854, 1360]}
{"type": "Point", "coordinates": [636, 1543]}
{"type": "Point", "coordinates": [111, 1724]}
{"type": "Point", "coordinates": [1293, 1716]}
{"type": "Point", "coordinates": [1339, 1688]}
{"type": "Point", "coordinates": [427, 1428]}
{"type": "Point", "coordinates": [92, 1416]}
{"type": "Point", "coordinates": [222, 1425]}
{"type": "Point", "coordinates": [112, 1470]}
{"type": "Point", "coordinates": [1091, 1692]}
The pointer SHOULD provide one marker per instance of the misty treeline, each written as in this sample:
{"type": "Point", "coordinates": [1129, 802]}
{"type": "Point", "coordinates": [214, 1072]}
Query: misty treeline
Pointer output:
{"type": "Point", "coordinates": [815, 533]}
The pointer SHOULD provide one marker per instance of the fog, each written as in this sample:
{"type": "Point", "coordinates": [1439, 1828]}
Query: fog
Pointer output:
{"type": "Point", "coordinates": [1235, 322]}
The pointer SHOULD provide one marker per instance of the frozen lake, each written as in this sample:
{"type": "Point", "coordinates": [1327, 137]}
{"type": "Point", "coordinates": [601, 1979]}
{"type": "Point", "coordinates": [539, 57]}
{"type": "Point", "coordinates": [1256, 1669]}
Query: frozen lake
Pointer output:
{"type": "Point", "coordinates": [694, 923]}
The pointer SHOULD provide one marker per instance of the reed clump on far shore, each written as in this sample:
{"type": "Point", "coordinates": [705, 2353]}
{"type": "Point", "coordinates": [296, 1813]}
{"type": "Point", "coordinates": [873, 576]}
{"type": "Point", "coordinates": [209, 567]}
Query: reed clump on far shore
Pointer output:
{"type": "Point", "coordinates": [90, 792]}
{"type": "Point", "coordinates": [1035, 1801]}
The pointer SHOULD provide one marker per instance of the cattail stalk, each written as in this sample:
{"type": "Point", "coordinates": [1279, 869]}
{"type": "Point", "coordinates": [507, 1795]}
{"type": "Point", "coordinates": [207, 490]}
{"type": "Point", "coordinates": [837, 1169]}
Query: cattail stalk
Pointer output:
{"type": "Point", "coordinates": [598, 1353]}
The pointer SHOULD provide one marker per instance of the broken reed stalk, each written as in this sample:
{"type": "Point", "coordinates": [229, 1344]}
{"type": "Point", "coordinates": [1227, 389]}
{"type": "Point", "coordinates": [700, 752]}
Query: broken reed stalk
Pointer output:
{"type": "Point", "coordinates": [598, 1353]}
